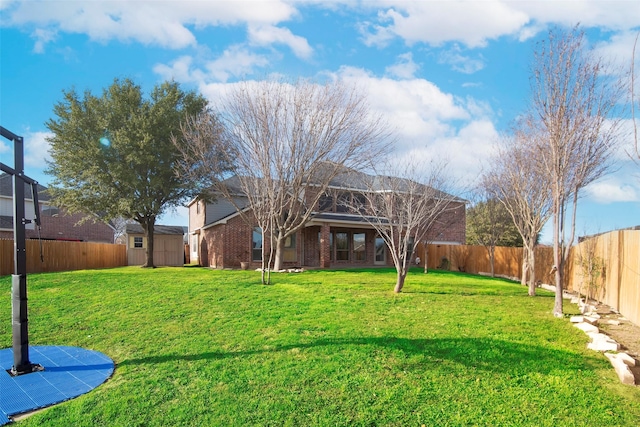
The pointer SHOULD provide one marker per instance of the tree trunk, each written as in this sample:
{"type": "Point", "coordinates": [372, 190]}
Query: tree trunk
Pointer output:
{"type": "Point", "coordinates": [525, 266]}
{"type": "Point", "coordinates": [557, 259]}
{"type": "Point", "coordinates": [148, 227]}
{"type": "Point", "coordinates": [426, 257]}
{"type": "Point", "coordinates": [532, 271]}
{"type": "Point", "coordinates": [400, 281]}
{"type": "Point", "coordinates": [492, 259]}
{"type": "Point", "coordinates": [278, 261]}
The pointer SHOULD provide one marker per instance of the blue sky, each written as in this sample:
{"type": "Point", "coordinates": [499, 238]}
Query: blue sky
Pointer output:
{"type": "Point", "coordinates": [448, 75]}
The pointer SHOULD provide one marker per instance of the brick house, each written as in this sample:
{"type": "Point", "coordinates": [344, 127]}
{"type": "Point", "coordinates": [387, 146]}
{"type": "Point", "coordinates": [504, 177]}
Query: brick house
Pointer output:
{"type": "Point", "coordinates": [55, 224]}
{"type": "Point", "coordinates": [220, 237]}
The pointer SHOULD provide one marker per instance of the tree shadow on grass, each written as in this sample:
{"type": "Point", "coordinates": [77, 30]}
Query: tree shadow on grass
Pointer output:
{"type": "Point", "coordinates": [487, 354]}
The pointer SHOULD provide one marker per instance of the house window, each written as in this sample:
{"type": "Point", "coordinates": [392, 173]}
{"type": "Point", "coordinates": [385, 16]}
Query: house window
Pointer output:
{"type": "Point", "coordinates": [194, 244]}
{"type": "Point", "coordinates": [342, 246]}
{"type": "Point", "coordinates": [381, 251]}
{"type": "Point", "coordinates": [359, 253]}
{"type": "Point", "coordinates": [343, 203]}
{"type": "Point", "coordinates": [138, 242]}
{"type": "Point", "coordinates": [198, 207]}
{"type": "Point", "coordinates": [256, 244]}
{"type": "Point", "coordinates": [331, 246]}
{"type": "Point", "coordinates": [326, 203]}
{"type": "Point", "coordinates": [360, 202]}
{"type": "Point", "coordinates": [289, 254]}
{"type": "Point", "coordinates": [48, 210]}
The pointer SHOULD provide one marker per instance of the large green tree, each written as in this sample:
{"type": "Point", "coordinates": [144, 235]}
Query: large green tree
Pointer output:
{"type": "Point", "coordinates": [489, 224]}
{"type": "Point", "coordinates": [112, 155]}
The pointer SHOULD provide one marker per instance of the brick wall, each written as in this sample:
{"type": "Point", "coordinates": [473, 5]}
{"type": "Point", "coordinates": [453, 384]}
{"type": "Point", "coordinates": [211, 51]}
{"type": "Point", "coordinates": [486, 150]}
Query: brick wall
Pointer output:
{"type": "Point", "coordinates": [450, 226]}
{"type": "Point", "coordinates": [227, 245]}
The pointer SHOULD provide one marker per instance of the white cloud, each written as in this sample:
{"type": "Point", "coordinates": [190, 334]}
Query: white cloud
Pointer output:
{"type": "Point", "coordinates": [236, 61]}
{"type": "Point", "coordinates": [614, 190]}
{"type": "Point", "coordinates": [405, 68]}
{"type": "Point", "coordinates": [36, 149]}
{"type": "Point", "coordinates": [460, 62]}
{"type": "Point", "coordinates": [430, 124]}
{"type": "Point", "coordinates": [619, 50]}
{"type": "Point", "coordinates": [470, 23]}
{"type": "Point", "coordinates": [150, 22]}
{"type": "Point", "coordinates": [179, 70]}
{"type": "Point", "coordinates": [42, 36]}
{"type": "Point", "coordinates": [264, 35]}
{"type": "Point", "coordinates": [474, 23]}
{"type": "Point", "coordinates": [4, 148]}
{"type": "Point", "coordinates": [612, 14]}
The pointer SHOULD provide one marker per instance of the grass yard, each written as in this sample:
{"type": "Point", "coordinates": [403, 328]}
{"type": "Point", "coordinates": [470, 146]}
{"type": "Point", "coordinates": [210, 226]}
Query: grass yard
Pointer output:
{"type": "Point", "coordinates": [196, 347]}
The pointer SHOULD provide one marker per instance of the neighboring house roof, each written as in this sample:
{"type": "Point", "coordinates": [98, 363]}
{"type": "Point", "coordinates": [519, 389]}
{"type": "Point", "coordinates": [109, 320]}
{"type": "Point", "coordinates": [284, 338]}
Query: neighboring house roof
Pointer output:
{"type": "Point", "coordinates": [6, 192]}
{"type": "Point", "coordinates": [157, 230]}
{"type": "Point", "coordinates": [6, 189]}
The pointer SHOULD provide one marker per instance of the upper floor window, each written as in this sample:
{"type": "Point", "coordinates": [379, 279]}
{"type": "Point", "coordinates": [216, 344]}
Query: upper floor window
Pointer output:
{"type": "Point", "coordinates": [325, 204]}
{"type": "Point", "coordinates": [48, 210]}
{"type": "Point", "coordinates": [343, 203]}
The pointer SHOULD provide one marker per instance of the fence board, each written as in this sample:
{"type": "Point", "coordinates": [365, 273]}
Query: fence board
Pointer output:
{"type": "Point", "coordinates": [64, 256]}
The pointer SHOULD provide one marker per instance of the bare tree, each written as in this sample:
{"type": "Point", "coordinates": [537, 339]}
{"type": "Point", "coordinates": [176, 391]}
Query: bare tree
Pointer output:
{"type": "Point", "coordinates": [285, 142]}
{"type": "Point", "coordinates": [206, 161]}
{"type": "Point", "coordinates": [591, 270]}
{"type": "Point", "coordinates": [404, 208]}
{"type": "Point", "coordinates": [574, 99]}
{"type": "Point", "coordinates": [516, 179]}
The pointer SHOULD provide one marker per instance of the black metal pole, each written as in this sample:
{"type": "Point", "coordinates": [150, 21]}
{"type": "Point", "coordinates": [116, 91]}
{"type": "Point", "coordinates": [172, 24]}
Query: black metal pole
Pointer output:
{"type": "Point", "coordinates": [21, 363]}
{"type": "Point", "coordinates": [20, 323]}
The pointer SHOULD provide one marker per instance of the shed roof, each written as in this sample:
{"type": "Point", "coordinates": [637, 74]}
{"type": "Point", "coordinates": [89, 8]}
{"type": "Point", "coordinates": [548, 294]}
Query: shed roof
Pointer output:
{"type": "Point", "coordinates": [157, 230]}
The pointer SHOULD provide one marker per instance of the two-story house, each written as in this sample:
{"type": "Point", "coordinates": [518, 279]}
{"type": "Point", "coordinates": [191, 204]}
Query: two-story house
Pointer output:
{"type": "Point", "coordinates": [55, 223]}
{"type": "Point", "coordinates": [220, 237]}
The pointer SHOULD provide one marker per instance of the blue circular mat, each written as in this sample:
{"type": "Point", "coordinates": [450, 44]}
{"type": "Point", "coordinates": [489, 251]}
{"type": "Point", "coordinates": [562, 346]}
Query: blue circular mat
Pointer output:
{"type": "Point", "coordinates": [68, 373]}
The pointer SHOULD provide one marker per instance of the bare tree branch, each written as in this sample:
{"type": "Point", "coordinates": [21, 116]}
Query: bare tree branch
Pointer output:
{"type": "Point", "coordinates": [574, 100]}
{"type": "Point", "coordinates": [518, 181]}
{"type": "Point", "coordinates": [406, 204]}
{"type": "Point", "coordinates": [284, 143]}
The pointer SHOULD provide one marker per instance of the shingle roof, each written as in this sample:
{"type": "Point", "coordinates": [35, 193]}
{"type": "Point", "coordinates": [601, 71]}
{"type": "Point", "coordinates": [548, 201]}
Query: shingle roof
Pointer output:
{"type": "Point", "coordinates": [158, 229]}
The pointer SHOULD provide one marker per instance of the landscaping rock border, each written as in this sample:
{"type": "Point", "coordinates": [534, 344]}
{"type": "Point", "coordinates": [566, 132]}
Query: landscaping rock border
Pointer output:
{"type": "Point", "coordinates": [621, 361]}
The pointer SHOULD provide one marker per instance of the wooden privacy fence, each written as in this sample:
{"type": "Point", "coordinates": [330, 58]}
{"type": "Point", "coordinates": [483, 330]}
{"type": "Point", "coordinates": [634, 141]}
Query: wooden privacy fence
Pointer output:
{"type": "Point", "coordinates": [64, 256]}
{"type": "Point", "coordinates": [475, 260]}
{"type": "Point", "coordinates": [616, 257]}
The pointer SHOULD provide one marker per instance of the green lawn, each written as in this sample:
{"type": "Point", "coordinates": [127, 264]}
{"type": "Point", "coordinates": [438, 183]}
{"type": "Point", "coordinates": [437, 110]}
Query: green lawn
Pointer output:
{"type": "Point", "coordinates": [196, 347]}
